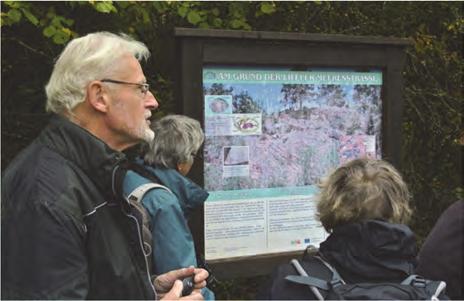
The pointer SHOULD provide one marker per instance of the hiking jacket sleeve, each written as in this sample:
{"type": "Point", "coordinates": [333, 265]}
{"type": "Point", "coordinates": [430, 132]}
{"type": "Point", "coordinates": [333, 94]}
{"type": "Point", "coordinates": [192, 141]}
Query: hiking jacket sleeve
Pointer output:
{"type": "Point", "coordinates": [49, 245]}
{"type": "Point", "coordinates": [172, 241]}
{"type": "Point", "coordinates": [446, 237]}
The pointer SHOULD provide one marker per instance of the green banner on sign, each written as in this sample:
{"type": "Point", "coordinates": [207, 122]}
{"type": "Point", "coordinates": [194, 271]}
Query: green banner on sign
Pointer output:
{"type": "Point", "coordinates": [232, 76]}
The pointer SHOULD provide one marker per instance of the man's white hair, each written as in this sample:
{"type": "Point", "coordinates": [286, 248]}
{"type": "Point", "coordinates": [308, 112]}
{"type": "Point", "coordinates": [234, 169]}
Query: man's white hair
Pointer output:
{"type": "Point", "coordinates": [91, 57]}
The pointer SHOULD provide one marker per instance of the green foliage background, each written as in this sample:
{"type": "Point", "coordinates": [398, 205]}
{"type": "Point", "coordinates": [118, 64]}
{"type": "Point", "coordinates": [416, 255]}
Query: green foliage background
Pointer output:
{"type": "Point", "coordinates": [34, 33]}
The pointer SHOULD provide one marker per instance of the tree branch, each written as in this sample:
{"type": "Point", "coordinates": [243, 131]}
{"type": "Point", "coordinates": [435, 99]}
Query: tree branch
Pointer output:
{"type": "Point", "coordinates": [30, 48]}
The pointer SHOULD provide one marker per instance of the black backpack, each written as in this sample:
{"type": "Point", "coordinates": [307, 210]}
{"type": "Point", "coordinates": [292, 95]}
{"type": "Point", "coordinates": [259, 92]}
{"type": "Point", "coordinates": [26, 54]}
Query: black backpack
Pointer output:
{"type": "Point", "coordinates": [333, 287]}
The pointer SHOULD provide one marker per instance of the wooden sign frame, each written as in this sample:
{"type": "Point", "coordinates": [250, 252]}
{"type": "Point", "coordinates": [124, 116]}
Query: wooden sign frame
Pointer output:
{"type": "Point", "coordinates": [196, 48]}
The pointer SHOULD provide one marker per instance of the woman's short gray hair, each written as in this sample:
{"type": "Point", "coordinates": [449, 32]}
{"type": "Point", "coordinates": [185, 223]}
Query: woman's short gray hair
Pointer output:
{"type": "Point", "coordinates": [363, 189]}
{"type": "Point", "coordinates": [177, 140]}
{"type": "Point", "coordinates": [91, 57]}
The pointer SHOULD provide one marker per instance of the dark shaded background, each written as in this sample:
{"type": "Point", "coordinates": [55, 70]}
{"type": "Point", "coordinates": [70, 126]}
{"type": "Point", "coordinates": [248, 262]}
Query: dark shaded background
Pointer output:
{"type": "Point", "coordinates": [33, 34]}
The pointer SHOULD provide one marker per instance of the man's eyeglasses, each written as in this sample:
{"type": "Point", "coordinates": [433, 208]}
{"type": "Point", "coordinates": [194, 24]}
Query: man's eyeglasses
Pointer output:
{"type": "Point", "coordinates": [143, 87]}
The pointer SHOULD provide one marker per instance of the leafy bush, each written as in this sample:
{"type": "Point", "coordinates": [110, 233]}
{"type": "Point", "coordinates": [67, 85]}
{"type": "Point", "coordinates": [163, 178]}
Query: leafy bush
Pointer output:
{"type": "Point", "coordinates": [33, 34]}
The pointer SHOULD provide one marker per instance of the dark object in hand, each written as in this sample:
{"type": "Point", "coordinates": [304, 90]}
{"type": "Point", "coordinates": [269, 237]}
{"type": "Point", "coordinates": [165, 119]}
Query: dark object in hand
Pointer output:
{"type": "Point", "coordinates": [187, 286]}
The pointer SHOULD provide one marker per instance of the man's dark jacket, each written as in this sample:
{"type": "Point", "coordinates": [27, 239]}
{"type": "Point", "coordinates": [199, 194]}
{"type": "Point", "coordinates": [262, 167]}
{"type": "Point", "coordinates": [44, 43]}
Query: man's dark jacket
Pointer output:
{"type": "Point", "coordinates": [64, 234]}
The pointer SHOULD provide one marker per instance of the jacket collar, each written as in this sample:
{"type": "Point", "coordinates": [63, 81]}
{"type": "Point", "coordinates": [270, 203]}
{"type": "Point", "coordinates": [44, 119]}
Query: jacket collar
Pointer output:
{"type": "Point", "coordinates": [87, 152]}
{"type": "Point", "coordinates": [375, 249]}
{"type": "Point", "coordinates": [189, 193]}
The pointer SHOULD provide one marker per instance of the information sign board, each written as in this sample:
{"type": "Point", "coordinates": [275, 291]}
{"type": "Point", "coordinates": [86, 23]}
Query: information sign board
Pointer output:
{"type": "Point", "coordinates": [271, 134]}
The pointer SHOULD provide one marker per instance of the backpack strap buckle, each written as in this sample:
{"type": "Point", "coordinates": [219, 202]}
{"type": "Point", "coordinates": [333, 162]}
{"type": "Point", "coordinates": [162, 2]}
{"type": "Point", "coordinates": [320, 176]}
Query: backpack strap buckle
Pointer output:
{"type": "Point", "coordinates": [415, 280]}
{"type": "Point", "coordinates": [419, 282]}
{"type": "Point", "coordinates": [336, 282]}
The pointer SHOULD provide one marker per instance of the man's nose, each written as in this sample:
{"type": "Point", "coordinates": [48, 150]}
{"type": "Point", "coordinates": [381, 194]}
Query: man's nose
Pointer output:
{"type": "Point", "coordinates": [150, 101]}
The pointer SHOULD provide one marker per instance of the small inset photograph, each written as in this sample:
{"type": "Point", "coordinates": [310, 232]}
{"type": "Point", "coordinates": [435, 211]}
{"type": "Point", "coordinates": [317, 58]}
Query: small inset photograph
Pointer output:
{"type": "Point", "coordinates": [218, 104]}
{"type": "Point", "coordinates": [236, 155]}
{"type": "Point", "coordinates": [236, 162]}
{"type": "Point", "coordinates": [247, 124]}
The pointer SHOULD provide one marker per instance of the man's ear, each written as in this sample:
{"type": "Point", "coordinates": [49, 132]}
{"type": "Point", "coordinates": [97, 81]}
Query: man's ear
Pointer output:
{"type": "Point", "coordinates": [97, 96]}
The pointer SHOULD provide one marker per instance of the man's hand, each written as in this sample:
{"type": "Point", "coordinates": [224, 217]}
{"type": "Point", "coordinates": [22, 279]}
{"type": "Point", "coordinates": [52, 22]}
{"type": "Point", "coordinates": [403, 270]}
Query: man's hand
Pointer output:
{"type": "Point", "coordinates": [169, 285]}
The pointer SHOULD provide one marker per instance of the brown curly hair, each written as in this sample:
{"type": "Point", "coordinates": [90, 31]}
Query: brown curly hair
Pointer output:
{"type": "Point", "coordinates": [363, 189]}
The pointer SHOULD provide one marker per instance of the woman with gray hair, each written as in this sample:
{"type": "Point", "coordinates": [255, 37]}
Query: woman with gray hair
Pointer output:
{"type": "Point", "coordinates": [178, 139]}
{"type": "Point", "coordinates": [363, 205]}
{"type": "Point", "coordinates": [168, 159]}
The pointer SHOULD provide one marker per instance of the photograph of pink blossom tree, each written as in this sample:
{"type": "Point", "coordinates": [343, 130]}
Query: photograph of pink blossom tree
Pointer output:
{"type": "Point", "coordinates": [307, 130]}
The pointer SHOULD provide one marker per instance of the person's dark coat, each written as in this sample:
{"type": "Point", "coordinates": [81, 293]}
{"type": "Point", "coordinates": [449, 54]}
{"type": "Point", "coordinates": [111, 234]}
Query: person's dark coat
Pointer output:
{"type": "Point", "coordinates": [369, 251]}
{"type": "Point", "coordinates": [64, 234]}
{"type": "Point", "coordinates": [441, 256]}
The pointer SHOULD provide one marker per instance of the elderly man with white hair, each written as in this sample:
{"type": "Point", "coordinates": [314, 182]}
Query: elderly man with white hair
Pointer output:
{"type": "Point", "coordinates": [67, 232]}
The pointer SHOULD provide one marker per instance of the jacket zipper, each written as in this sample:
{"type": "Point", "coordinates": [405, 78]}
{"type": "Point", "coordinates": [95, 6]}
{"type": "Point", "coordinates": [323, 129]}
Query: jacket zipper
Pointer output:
{"type": "Point", "coordinates": [147, 269]}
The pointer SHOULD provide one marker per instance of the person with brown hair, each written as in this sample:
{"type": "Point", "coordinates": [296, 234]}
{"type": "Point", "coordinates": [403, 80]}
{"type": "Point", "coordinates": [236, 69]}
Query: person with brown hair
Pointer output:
{"type": "Point", "coordinates": [363, 189]}
{"type": "Point", "coordinates": [364, 205]}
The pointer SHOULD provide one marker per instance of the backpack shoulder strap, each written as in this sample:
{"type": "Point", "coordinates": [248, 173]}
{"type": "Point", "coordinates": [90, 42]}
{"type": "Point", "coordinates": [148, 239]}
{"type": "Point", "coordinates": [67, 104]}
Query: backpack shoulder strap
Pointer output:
{"type": "Point", "coordinates": [313, 282]}
{"type": "Point", "coordinates": [139, 192]}
{"type": "Point", "coordinates": [436, 287]}
{"type": "Point", "coordinates": [336, 278]}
